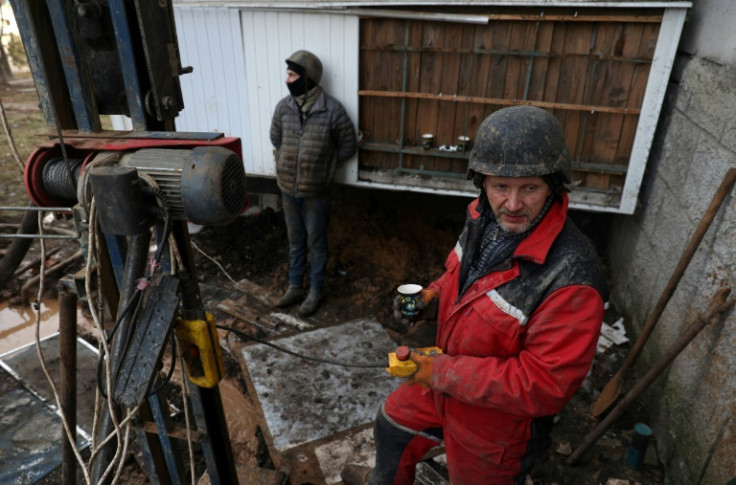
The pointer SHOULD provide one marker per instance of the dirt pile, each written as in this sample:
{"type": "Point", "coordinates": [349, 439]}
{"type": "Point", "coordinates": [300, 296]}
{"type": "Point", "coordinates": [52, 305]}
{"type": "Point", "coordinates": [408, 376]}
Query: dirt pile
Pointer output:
{"type": "Point", "coordinates": [377, 240]}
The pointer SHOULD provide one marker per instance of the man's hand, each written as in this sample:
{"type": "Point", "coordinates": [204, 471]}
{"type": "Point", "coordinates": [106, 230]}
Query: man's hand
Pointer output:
{"type": "Point", "coordinates": [427, 305]}
{"type": "Point", "coordinates": [425, 366]}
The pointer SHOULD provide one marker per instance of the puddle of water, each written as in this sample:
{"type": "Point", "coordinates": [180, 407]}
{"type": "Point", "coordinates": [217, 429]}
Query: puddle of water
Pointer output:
{"type": "Point", "coordinates": [18, 324]}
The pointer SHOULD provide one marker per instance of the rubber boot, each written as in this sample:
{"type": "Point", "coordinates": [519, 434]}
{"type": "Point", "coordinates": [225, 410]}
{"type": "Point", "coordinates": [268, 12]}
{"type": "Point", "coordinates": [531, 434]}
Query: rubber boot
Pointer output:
{"type": "Point", "coordinates": [356, 474]}
{"type": "Point", "coordinates": [293, 295]}
{"type": "Point", "coordinates": [309, 306]}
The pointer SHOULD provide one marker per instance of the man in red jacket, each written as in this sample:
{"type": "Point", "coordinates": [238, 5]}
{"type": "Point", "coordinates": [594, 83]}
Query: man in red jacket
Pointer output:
{"type": "Point", "coordinates": [518, 311]}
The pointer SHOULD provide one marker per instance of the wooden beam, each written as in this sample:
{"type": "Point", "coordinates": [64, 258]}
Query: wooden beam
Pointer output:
{"type": "Point", "coordinates": [506, 52]}
{"type": "Point", "coordinates": [174, 431]}
{"type": "Point", "coordinates": [500, 101]}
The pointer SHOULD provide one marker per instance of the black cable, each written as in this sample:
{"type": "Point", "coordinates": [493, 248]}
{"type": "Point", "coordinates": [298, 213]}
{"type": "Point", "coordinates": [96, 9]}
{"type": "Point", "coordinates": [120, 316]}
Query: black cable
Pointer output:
{"type": "Point", "coordinates": [244, 336]}
{"type": "Point", "coordinates": [137, 292]}
{"type": "Point", "coordinates": [165, 236]}
{"type": "Point", "coordinates": [166, 379]}
{"type": "Point", "coordinates": [103, 354]}
{"type": "Point", "coordinates": [164, 213]}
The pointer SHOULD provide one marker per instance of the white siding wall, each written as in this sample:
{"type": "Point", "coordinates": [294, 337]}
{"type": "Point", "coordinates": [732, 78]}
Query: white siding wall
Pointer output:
{"type": "Point", "coordinates": [239, 71]}
{"type": "Point", "coordinates": [210, 41]}
{"type": "Point", "coordinates": [268, 39]}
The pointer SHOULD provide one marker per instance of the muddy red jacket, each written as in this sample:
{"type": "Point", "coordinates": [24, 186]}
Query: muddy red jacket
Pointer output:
{"type": "Point", "coordinates": [518, 343]}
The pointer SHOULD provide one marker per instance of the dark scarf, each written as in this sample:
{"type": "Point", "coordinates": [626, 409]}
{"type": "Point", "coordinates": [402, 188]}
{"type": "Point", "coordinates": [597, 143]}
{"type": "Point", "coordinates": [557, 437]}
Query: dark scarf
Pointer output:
{"type": "Point", "coordinates": [489, 246]}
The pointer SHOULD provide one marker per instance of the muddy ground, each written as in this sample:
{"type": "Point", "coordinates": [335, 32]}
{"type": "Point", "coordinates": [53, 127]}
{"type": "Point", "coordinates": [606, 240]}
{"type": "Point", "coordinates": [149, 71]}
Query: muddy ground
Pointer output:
{"type": "Point", "coordinates": [378, 240]}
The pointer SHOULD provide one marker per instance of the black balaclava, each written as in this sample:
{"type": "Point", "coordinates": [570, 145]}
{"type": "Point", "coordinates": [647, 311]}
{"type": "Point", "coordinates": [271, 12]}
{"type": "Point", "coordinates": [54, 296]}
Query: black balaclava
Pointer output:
{"type": "Point", "coordinates": [301, 85]}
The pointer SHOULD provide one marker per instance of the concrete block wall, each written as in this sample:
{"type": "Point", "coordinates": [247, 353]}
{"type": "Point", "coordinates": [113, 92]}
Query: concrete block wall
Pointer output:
{"type": "Point", "coordinates": [693, 405]}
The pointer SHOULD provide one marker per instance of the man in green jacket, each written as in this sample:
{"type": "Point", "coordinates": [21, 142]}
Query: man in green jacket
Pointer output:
{"type": "Point", "coordinates": [313, 135]}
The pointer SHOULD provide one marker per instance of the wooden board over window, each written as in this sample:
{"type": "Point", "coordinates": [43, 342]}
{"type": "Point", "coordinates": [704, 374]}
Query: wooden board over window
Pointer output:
{"type": "Point", "coordinates": [590, 68]}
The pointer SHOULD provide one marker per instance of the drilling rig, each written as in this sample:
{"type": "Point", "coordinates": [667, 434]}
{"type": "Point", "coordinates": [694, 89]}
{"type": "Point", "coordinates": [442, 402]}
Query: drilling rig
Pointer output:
{"type": "Point", "coordinates": [131, 194]}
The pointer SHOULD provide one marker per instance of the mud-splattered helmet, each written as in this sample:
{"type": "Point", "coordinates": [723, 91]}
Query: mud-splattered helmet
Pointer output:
{"type": "Point", "coordinates": [520, 141]}
{"type": "Point", "coordinates": [311, 66]}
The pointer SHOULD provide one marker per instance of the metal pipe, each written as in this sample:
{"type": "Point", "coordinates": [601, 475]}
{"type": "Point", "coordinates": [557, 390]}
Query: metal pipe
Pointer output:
{"type": "Point", "coordinates": [68, 380]}
{"type": "Point", "coordinates": [28, 229]}
{"type": "Point", "coordinates": [357, 8]}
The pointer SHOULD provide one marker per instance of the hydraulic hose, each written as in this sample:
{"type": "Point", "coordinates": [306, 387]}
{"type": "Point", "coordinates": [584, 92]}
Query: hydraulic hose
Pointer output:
{"type": "Point", "coordinates": [19, 247]}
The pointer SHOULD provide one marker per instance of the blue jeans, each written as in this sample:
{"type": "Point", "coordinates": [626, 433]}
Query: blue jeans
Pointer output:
{"type": "Point", "coordinates": [306, 226]}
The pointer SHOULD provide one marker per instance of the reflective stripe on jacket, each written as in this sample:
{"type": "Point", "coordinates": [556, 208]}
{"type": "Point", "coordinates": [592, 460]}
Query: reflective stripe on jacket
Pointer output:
{"type": "Point", "coordinates": [520, 340]}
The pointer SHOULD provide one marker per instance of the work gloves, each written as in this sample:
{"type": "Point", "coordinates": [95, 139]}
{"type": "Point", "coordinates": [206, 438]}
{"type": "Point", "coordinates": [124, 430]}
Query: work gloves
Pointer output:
{"type": "Point", "coordinates": [425, 366]}
{"type": "Point", "coordinates": [427, 304]}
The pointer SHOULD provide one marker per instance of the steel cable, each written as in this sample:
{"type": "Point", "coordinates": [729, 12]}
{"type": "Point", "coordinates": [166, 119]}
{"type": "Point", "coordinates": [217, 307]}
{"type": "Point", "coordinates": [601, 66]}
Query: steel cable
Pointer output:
{"type": "Point", "coordinates": [59, 177]}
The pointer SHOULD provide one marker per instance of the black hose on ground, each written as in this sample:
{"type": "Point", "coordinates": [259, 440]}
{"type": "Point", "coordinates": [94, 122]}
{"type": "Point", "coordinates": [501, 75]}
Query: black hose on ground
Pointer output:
{"type": "Point", "coordinates": [19, 247]}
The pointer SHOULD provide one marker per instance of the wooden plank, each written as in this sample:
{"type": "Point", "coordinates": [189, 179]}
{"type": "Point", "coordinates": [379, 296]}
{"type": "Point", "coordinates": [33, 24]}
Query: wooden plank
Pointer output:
{"type": "Point", "coordinates": [552, 75]}
{"type": "Point", "coordinates": [412, 136]}
{"type": "Point", "coordinates": [522, 39]}
{"type": "Point", "coordinates": [597, 133]}
{"type": "Point", "coordinates": [540, 67]}
{"type": "Point", "coordinates": [499, 64]}
{"type": "Point", "coordinates": [639, 44]}
{"type": "Point", "coordinates": [391, 72]}
{"type": "Point", "coordinates": [412, 39]}
{"type": "Point", "coordinates": [173, 430]}
{"type": "Point", "coordinates": [257, 291]}
{"type": "Point", "coordinates": [382, 71]}
{"type": "Point", "coordinates": [499, 101]}
{"type": "Point", "coordinates": [478, 83]}
{"type": "Point", "coordinates": [365, 117]}
{"type": "Point", "coordinates": [513, 64]}
{"type": "Point", "coordinates": [377, 68]}
{"type": "Point", "coordinates": [574, 75]}
{"type": "Point", "coordinates": [513, 52]}
{"type": "Point", "coordinates": [388, 70]}
{"type": "Point", "coordinates": [430, 82]}
{"type": "Point", "coordinates": [367, 75]}
{"type": "Point", "coordinates": [615, 91]}
{"type": "Point", "coordinates": [248, 315]}
{"type": "Point", "coordinates": [462, 109]}
{"type": "Point", "coordinates": [446, 131]}
{"type": "Point", "coordinates": [396, 63]}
